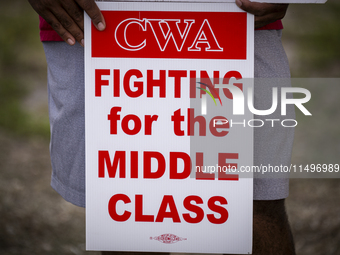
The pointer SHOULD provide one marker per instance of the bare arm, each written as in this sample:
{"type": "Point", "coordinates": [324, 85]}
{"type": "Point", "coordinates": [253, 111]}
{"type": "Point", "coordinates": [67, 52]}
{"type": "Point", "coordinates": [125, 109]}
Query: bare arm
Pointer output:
{"type": "Point", "coordinates": [265, 13]}
{"type": "Point", "coordinates": [67, 17]}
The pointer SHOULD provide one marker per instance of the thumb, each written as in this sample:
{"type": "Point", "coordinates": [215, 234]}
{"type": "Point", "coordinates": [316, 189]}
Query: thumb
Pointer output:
{"type": "Point", "coordinates": [239, 3]}
{"type": "Point", "coordinates": [252, 7]}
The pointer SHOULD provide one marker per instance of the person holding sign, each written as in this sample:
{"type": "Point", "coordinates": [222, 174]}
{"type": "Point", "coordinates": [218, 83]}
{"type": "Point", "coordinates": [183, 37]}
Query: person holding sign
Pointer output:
{"type": "Point", "coordinates": [272, 233]}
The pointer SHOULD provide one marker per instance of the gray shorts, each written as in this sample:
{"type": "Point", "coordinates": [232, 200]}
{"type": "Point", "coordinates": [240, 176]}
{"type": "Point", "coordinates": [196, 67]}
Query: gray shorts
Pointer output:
{"type": "Point", "coordinates": [272, 146]}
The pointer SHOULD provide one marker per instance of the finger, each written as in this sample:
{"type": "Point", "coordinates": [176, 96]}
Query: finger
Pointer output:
{"type": "Point", "coordinates": [258, 9]}
{"type": "Point", "coordinates": [94, 13]}
{"type": "Point", "coordinates": [69, 24]}
{"type": "Point", "coordinates": [59, 28]}
{"type": "Point", "coordinates": [74, 10]}
{"type": "Point", "coordinates": [73, 20]}
{"type": "Point", "coordinates": [261, 21]}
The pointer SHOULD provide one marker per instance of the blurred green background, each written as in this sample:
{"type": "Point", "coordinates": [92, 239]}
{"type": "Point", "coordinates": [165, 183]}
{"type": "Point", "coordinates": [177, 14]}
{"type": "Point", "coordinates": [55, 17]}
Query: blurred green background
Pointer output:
{"type": "Point", "coordinates": [36, 220]}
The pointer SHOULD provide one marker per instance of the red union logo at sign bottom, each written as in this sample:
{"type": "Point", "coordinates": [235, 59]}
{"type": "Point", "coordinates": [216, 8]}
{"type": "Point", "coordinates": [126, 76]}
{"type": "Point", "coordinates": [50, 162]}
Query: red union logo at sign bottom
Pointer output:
{"type": "Point", "coordinates": [168, 238]}
{"type": "Point", "coordinates": [148, 34]}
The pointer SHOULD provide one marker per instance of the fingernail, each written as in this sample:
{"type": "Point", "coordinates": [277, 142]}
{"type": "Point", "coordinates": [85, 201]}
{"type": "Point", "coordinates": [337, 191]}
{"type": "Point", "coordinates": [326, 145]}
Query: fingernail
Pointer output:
{"type": "Point", "coordinates": [100, 26]}
{"type": "Point", "coordinates": [238, 3]}
{"type": "Point", "coordinates": [70, 41]}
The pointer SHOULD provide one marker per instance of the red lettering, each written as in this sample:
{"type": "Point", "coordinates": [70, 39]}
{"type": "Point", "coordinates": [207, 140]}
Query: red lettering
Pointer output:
{"type": "Point", "coordinates": [210, 85]}
{"type": "Point", "coordinates": [193, 208]}
{"type": "Point", "coordinates": [218, 122]}
{"type": "Point", "coordinates": [168, 209]}
{"type": "Point", "coordinates": [219, 209]}
{"type": "Point", "coordinates": [205, 36]}
{"type": "Point", "coordinates": [191, 123]}
{"type": "Point", "coordinates": [148, 123]}
{"type": "Point", "coordinates": [176, 35]}
{"type": "Point", "coordinates": [193, 84]}
{"type": "Point", "coordinates": [139, 211]}
{"type": "Point", "coordinates": [177, 118]}
{"type": "Point", "coordinates": [104, 159]}
{"type": "Point", "coordinates": [200, 175]}
{"type": "Point", "coordinates": [136, 127]}
{"type": "Point", "coordinates": [177, 74]}
{"type": "Point", "coordinates": [113, 117]}
{"type": "Point", "coordinates": [113, 204]}
{"type": "Point", "coordinates": [226, 79]}
{"type": "Point", "coordinates": [99, 82]}
{"type": "Point", "coordinates": [174, 156]}
{"type": "Point", "coordinates": [148, 174]}
{"type": "Point", "coordinates": [134, 164]}
{"type": "Point", "coordinates": [222, 175]}
{"type": "Point", "coordinates": [122, 28]}
{"type": "Point", "coordinates": [151, 83]}
{"type": "Point", "coordinates": [163, 37]}
{"type": "Point", "coordinates": [116, 83]}
{"type": "Point", "coordinates": [173, 213]}
{"type": "Point", "coordinates": [137, 84]}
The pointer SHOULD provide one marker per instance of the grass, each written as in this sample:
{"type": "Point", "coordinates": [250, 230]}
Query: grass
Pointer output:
{"type": "Point", "coordinates": [22, 69]}
{"type": "Point", "coordinates": [313, 30]}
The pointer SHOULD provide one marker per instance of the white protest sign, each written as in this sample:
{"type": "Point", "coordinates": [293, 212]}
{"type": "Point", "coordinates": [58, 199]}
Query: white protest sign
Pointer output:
{"type": "Point", "coordinates": [162, 143]}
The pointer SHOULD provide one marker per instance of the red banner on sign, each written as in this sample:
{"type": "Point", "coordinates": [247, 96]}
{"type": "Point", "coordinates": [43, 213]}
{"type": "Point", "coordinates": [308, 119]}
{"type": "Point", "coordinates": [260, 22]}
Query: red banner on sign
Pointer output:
{"type": "Point", "coordinates": [190, 35]}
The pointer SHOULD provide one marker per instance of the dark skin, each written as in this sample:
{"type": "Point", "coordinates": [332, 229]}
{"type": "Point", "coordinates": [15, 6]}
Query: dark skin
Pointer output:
{"type": "Point", "coordinates": [67, 17]}
{"type": "Point", "coordinates": [271, 231]}
{"type": "Point", "coordinates": [265, 13]}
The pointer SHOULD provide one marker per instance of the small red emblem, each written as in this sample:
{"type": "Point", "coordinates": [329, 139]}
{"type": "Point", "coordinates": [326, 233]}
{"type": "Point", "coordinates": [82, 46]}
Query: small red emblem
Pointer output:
{"type": "Point", "coordinates": [168, 238]}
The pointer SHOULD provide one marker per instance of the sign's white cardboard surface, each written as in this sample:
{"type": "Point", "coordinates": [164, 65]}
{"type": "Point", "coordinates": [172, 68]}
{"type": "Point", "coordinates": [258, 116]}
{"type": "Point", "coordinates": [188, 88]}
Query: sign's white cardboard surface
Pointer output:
{"type": "Point", "coordinates": [139, 94]}
{"type": "Point", "coordinates": [144, 78]}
